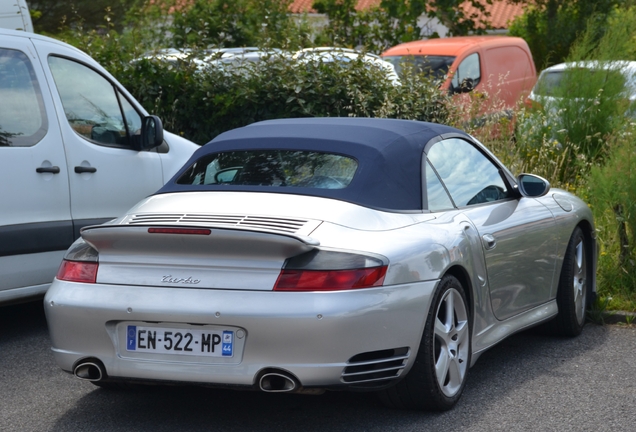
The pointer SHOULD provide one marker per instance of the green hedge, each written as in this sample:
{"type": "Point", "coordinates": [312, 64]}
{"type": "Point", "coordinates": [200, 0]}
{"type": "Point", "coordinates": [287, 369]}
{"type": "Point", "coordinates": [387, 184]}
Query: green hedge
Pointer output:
{"type": "Point", "coordinates": [200, 103]}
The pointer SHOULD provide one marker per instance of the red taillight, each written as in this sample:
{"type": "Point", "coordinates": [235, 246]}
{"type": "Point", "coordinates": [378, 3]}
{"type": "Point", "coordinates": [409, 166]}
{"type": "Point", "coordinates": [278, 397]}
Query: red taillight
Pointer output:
{"type": "Point", "coordinates": [78, 271]}
{"type": "Point", "coordinates": [193, 231]}
{"type": "Point", "coordinates": [329, 280]}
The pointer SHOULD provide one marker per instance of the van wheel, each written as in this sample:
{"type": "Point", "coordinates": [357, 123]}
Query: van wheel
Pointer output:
{"type": "Point", "coordinates": [438, 376]}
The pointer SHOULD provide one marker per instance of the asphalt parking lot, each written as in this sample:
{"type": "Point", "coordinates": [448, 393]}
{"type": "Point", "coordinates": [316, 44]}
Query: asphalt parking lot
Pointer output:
{"type": "Point", "coordinates": [529, 382]}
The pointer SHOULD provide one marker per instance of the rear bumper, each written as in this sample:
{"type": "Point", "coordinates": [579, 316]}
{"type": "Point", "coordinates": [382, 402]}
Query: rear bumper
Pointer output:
{"type": "Point", "coordinates": [312, 336]}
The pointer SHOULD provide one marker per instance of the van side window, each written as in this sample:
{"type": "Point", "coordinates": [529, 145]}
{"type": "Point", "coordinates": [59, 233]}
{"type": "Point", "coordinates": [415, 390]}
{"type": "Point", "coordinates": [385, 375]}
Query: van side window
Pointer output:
{"type": "Point", "coordinates": [22, 116]}
{"type": "Point", "coordinates": [468, 73]}
{"type": "Point", "coordinates": [94, 107]}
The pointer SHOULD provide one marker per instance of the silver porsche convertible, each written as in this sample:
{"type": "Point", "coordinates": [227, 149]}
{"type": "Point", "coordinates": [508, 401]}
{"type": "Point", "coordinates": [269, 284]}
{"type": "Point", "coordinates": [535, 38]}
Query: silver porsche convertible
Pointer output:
{"type": "Point", "coordinates": [305, 255]}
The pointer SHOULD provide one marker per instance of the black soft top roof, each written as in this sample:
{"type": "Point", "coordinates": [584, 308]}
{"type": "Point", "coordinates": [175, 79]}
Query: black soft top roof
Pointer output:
{"type": "Point", "coordinates": [389, 154]}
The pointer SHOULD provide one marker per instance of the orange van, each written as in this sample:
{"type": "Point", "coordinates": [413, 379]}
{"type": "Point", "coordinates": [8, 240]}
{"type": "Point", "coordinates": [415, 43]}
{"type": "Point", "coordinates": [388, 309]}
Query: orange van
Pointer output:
{"type": "Point", "coordinates": [497, 65]}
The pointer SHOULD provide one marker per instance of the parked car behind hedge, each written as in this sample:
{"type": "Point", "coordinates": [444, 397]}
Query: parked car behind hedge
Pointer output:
{"type": "Point", "coordinates": [585, 80]}
{"type": "Point", "coordinates": [344, 55]}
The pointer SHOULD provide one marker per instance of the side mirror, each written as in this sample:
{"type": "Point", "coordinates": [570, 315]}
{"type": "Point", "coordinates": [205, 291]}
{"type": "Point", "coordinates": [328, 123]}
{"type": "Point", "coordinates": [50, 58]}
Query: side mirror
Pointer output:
{"type": "Point", "coordinates": [151, 133]}
{"type": "Point", "coordinates": [532, 186]}
{"type": "Point", "coordinates": [467, 85]}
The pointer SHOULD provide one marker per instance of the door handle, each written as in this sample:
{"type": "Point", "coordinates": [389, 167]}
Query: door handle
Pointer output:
{"type": "Point", "coordinates": [489, 241]}
{"type": "Point", "coordinates": [83, 169]}
{"type": "Point", "coordinates": [51, 169]}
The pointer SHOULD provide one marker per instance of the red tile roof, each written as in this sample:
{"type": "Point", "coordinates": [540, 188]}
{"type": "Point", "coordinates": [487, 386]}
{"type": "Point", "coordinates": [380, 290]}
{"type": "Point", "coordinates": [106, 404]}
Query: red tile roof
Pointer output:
{"type": "Point", "coordinates": [501, 12]}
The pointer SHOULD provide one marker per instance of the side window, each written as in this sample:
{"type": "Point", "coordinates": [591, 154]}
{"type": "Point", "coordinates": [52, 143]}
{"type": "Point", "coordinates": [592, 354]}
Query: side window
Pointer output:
{"type": "Point", "coordinates": [22, 117]}
{"type": "Point", "coordinates": [468, 69]}
{"type": "Point", "coordinates": [436, 195]}
{"type": "Point", "coordinates": [93, 106]}
{"type": "Point", "coordinates": [469, 176]}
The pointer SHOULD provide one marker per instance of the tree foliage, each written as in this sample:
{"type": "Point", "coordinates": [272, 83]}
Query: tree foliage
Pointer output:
{"type": "Point", "coordinates": [50, 17]}
{"type": "Point", "coordinates": [550, 27]}
{"type": "Point", "coordinates": [239, 23]}
{"type": "Point", "coordinates": [393, 21]}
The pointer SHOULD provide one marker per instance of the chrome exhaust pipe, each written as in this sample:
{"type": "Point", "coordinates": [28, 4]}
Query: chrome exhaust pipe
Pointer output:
{"type": "Point", "coordinates": [89, 371]}
{"type": "Point", "coordinates": [277, 382]}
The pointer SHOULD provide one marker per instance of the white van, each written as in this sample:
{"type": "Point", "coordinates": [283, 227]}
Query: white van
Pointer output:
{"type": "Point", "coordinates": [14, 15]}
{"type": "Point", "coordinates": [76, 149]}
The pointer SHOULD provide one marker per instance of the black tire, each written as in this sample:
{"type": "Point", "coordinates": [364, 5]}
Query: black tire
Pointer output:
{"type": "Point", "coordinates": [574, 288]}
{"type": "Point", "coordinates": [428, 388]}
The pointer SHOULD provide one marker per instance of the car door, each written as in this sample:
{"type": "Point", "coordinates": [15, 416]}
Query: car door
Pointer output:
{"type": "Point", "coordinates": [518, 234]}
{"type": "Point", "coordinates": [98, 123]}
{"type": "Point", "coordinates": [35, 222]}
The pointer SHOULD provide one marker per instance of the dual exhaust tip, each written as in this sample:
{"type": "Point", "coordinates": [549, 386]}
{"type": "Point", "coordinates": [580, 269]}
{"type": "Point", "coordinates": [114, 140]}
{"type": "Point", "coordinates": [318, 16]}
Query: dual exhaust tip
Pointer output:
{"type": "Point", "coordinates": [271, 381]}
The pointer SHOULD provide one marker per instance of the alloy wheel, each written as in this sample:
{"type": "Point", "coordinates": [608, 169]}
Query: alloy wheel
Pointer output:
{"type": "Point", "coordinates": [579, 283]}
{"type": "Point", "coordinates": [451, 342]}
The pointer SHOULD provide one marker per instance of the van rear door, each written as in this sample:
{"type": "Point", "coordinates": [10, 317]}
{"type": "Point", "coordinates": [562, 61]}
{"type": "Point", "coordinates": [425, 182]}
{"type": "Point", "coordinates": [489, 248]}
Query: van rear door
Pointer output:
{"type": "Point", "coordinates": [511, 71]}
{"type": "Point", "coordinates": [35, 222]}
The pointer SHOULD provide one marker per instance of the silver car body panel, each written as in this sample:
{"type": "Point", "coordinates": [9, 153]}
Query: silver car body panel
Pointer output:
{"type": "Point", "coordinates": [225, 259]}
{"type": "Point", "coordinates": [510, 252]}
{"type": "Point", "coordinates": [339, 325]}
{"type": "Point", "coordinates": [237, 267]}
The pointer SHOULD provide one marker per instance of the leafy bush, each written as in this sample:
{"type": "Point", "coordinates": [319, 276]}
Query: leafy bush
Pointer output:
{"type": "Point", "coordinates": [201, 103]}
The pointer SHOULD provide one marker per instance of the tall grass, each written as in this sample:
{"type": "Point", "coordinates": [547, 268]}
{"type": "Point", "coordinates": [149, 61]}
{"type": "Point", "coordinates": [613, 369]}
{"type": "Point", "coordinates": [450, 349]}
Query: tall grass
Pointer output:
{"type": "Point", "coordinates": [611, 191]}
{"type": "Point", "coordinates": [584, 140]}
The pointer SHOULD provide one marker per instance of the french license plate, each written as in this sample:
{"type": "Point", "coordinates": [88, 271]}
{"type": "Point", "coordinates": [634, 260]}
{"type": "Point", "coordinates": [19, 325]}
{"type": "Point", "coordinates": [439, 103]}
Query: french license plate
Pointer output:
{"type": "Point", "coordinates": [212, 343]}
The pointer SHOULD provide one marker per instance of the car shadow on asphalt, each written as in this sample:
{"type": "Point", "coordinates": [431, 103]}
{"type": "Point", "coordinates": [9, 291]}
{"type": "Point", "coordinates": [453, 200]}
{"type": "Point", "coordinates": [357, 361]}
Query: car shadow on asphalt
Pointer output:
{"type": "Point", "coordinates": [20, 320]}
{"type": "Point", "coordinates": [521, 359]}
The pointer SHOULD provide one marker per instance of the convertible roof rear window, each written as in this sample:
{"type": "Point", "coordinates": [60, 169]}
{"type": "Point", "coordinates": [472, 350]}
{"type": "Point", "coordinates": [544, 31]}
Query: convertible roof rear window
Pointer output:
{"type": "Point", "coordinates": [372, 162]}
{"type": "Point", "coordinates": [273, 168]}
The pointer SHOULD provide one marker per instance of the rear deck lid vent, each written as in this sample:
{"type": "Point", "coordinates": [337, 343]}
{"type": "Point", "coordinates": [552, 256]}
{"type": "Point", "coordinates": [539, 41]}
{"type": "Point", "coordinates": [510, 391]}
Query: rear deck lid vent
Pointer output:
{"type": "Point", "coordinates": [247, 222]}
